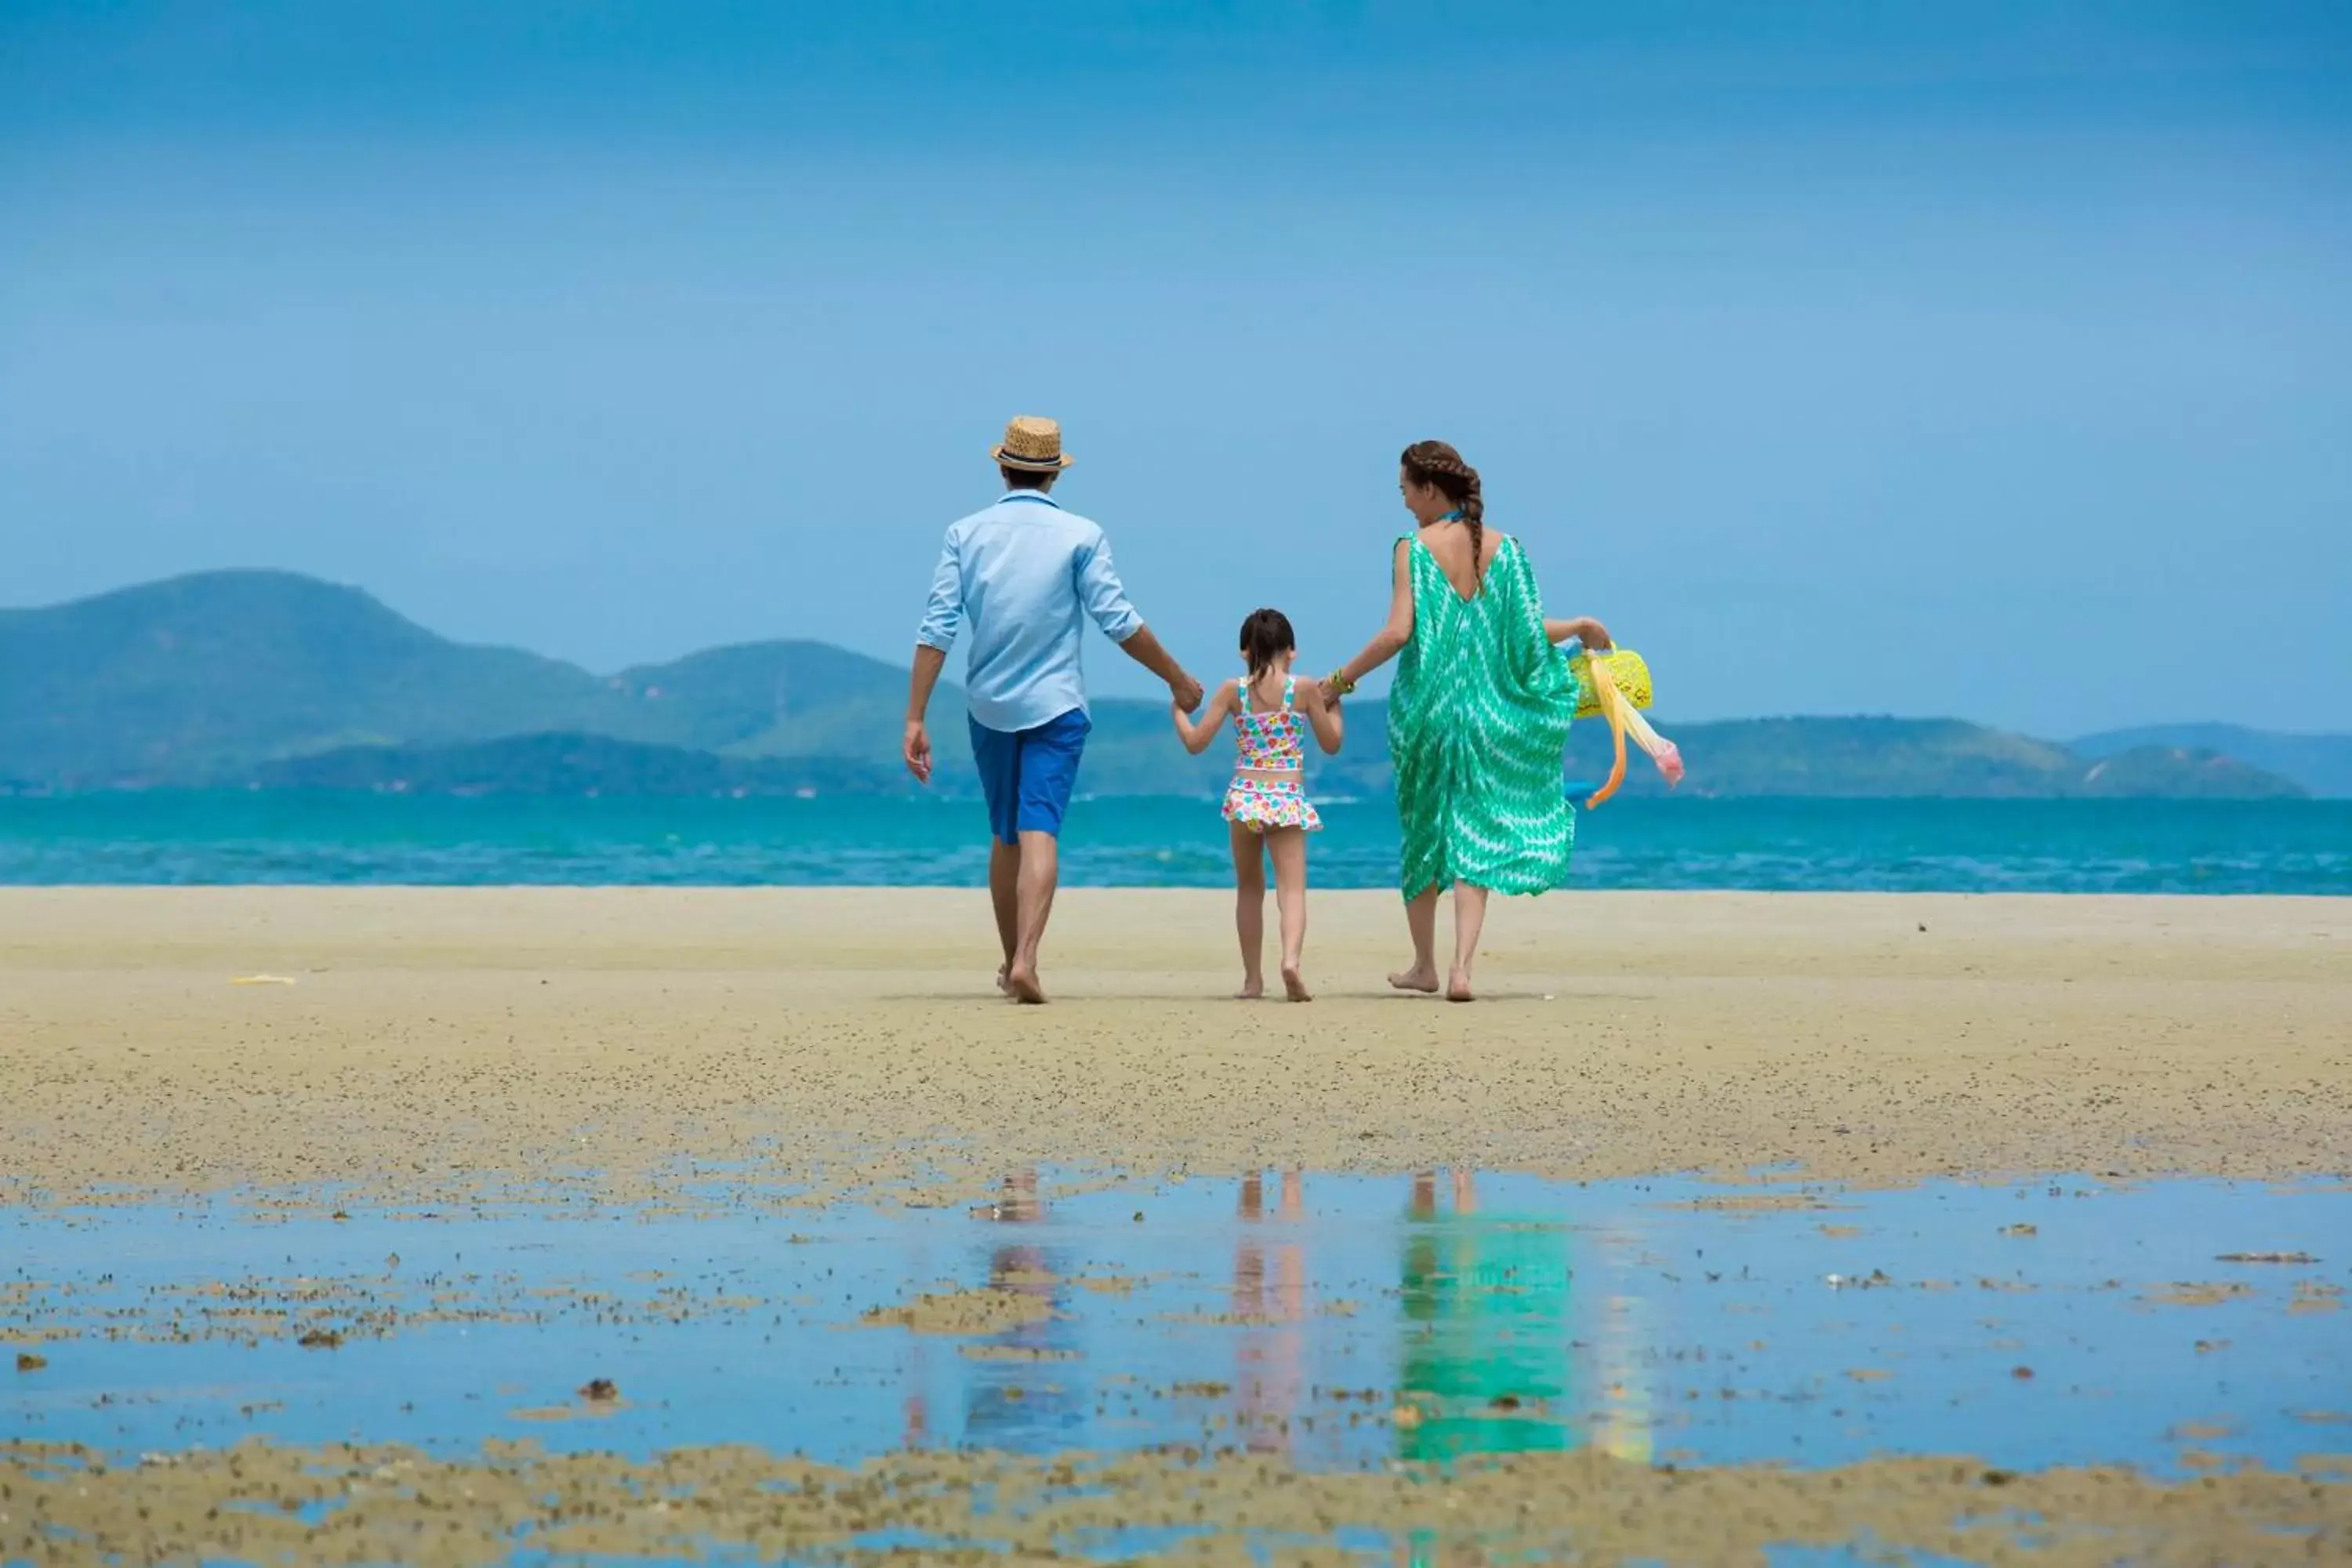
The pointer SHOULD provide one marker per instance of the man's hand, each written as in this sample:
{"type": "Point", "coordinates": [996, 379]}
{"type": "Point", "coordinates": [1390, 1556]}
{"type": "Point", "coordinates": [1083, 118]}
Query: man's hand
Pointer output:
{"type": "Point", "coordinates": [918, 749]}
{"type": "Point", "coordinates": [1186, 691]}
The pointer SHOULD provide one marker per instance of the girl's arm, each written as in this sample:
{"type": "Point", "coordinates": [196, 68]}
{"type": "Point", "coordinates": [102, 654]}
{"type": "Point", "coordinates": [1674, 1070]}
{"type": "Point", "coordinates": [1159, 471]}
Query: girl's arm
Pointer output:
{"type": "Point", "coordinates": [1581, 628]}
{"type": "Point", "coordinates": [1323, 717]}
{"type": "Point", "coordinates": [1197, 736]}
{"type": "Point", "coordinates": [1390, 640]}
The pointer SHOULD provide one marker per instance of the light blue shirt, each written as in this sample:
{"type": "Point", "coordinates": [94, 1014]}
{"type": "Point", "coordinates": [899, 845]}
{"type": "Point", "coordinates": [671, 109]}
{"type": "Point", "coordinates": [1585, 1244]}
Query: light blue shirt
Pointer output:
{"type": "Point", "coordinates": [1027, 575]}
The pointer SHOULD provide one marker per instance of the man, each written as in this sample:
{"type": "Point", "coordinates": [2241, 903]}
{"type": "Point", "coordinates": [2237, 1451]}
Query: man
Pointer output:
{"type": "Point", "coordinates": [1027, 574]}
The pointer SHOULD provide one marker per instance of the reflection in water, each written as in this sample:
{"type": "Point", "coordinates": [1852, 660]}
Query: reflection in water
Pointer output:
{"type": "Point", "coordinates": [1024, 1398]}
{"type": "Point", "coordinates": [1487, 1331]}
{"type": "Point", "coordinates": [1268, 1378]}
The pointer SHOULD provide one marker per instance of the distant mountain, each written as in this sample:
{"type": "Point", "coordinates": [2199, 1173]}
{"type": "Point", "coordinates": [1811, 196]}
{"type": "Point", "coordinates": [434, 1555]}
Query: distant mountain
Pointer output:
{"type": "Point", "coordinates": [1916, 757]}
{"type": "Point", "coordinates": [2320, 763]}
{"type": "Point", "coordinates": [282, 681]}
{"type": "Point", "coordinates": [199, 678]}
{"type": "Point", "coordinates": [573, 764]}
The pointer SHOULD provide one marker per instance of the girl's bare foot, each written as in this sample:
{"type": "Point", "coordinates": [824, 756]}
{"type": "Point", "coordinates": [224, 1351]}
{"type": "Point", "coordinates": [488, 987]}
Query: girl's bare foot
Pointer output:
{"type": "Point", "coordinates": [1458, 986]}
{"type": "Point", "coordinates": [1252, 987]}
{"type": "Point", "coordinates": [1415, 979]}
{"type": "Point", "coordinates": [1295, 985]}
{"type": "Point", "coordinates": [1020, 985]}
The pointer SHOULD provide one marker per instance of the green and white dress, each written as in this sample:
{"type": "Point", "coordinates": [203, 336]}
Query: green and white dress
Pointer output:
{"type": "Point", "coordinates": [1477, 725]}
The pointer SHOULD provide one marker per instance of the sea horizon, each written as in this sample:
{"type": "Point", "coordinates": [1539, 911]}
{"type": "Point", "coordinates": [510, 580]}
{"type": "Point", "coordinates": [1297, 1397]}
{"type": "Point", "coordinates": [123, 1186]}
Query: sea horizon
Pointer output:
{"type": "Point", "coordinates": [1765, 844]}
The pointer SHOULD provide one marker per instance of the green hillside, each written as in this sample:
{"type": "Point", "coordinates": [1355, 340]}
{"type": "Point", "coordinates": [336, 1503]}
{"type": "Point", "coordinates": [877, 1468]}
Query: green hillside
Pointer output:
{"type": "Point", "coordinates": [1898, 757]}
{"type": "Point", "coordinates": [278, 680]}
{"type": "Point", "coordinates": [2320, 763]}
{"type": "Point", "coordinates": [201, 677]}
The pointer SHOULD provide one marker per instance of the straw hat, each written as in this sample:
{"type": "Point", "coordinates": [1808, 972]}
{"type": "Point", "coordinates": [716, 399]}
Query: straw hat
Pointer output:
{"type": "Point", "coordinates": [1033, 446]}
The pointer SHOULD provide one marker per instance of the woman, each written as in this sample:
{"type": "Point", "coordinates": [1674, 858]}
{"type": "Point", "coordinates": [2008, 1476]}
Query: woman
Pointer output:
{"type": "Point", "coordinates": [1478, 717]}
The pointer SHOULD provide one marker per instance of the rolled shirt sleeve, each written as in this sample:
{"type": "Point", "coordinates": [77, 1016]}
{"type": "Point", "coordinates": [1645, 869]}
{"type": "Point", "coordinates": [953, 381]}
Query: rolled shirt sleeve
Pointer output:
{"type": "Point", "coordinates": [1100, 591]}
{"type": "Point", "coordinates": [943, 613]}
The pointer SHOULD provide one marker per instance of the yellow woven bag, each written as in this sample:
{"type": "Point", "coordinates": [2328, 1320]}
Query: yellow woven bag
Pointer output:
{"type": "Point", "coordinates": [1627, 671]}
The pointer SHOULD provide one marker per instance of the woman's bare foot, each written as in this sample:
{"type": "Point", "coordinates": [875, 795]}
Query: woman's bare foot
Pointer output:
{"type": "Point", "coordinates": [1295, 985]}
{"type": "Point", "coordinates": [1458, 986]}
{"type": "Point", "coordinates": [1415, 979]}
{"type": "Point", "coordinates": [1020, 985]}
{"type": "Point", "coordinates": [1252, 987]}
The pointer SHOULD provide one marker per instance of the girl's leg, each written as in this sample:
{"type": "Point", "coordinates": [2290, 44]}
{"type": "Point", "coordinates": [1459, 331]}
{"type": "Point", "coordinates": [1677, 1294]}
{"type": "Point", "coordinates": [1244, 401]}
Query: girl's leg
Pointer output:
{"type": "Point", "coordinates": [1249, 907]}
{"type": "Point", "coordinates": [1287, 846]}
{"type": "Point", "coordinates": [1469, 915]}
{"type": "Point", "coordinates": [1421, 920]}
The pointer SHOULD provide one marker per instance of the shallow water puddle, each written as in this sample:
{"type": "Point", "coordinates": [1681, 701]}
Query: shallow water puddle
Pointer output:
{"type": "Point", "coordinates": [1340, 1322]}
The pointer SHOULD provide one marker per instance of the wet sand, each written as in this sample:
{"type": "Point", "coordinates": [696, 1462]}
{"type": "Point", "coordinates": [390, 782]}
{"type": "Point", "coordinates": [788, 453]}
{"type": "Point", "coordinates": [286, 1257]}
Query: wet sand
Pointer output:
{"type": "Point", "coordinates": [791, 1045]}
{"type": "Point", "coordinates": [256, 1503]}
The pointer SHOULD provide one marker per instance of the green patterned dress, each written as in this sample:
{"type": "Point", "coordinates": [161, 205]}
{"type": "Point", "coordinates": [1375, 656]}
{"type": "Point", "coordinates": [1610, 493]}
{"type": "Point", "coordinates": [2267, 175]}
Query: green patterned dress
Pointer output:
{"type": "Point", "coordinates": [1477, 724]}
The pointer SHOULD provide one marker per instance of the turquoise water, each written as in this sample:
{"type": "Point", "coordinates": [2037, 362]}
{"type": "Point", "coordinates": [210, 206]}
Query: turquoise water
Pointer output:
{"type": "Point", "coordinates": [1973, 846]}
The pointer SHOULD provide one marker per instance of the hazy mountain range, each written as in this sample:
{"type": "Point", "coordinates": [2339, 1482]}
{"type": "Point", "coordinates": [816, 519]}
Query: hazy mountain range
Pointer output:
{"type": "Point", "coordinates": [271, 679]}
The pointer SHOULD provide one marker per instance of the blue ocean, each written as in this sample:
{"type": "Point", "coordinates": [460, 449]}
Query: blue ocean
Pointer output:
{"type": "Point", "coordinates": [1954, 846]}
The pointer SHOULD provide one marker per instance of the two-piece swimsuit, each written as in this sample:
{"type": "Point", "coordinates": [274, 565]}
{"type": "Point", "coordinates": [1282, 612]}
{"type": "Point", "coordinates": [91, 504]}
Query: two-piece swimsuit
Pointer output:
{"type": "Point", "coordinates": [1269, 779]}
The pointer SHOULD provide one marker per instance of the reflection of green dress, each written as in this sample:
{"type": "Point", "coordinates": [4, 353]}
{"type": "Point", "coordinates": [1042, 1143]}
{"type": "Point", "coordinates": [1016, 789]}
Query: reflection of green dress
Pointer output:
{"type": "Point", "coordinates": [1486, 1309]}
{"type": "Point", "coordinates": [1477, 723]}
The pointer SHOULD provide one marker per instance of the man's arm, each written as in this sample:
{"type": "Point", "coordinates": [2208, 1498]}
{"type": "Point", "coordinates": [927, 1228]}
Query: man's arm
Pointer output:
{"type": "Point", "coordinates": [1144, 648]}
{"type": "Point", "coordinates": [1106, 602]}
{"type": "Point", "coordinates": [941, 617]}
{"type": "Point", "coordinates": [929, 662]}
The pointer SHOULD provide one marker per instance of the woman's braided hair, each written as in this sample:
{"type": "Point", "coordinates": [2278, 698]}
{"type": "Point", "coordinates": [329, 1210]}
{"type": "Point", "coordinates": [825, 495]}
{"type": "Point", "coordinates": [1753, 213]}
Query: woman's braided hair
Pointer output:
{"type": "Point", "coordinates": [1437, 463]}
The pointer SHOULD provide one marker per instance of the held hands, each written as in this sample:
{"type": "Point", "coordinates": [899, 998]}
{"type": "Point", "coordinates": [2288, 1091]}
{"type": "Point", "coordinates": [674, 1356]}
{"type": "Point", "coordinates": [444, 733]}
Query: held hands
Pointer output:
{"type": "Point", "coordinates": [918, 749]}
{"type": "Point", "coordinates": [1186, 691]}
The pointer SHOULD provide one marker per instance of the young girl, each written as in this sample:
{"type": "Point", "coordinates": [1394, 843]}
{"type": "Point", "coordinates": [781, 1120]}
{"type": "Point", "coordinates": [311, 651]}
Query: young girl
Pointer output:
{"type": "Point", "coordinates": [1266, 806]}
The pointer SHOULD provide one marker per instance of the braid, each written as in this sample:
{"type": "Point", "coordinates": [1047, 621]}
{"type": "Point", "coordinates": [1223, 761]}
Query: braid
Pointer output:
{"type": "Point", "coordinates": [1437, 463]}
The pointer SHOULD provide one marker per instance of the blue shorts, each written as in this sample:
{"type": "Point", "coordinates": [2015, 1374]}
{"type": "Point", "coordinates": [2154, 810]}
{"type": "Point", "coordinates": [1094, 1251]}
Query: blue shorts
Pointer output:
{"type": "Point", "coordinates": [1028, 774]}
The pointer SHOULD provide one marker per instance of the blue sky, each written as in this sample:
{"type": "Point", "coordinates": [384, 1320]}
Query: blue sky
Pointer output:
{"type": "Point", "coordinates": [1990, 360]}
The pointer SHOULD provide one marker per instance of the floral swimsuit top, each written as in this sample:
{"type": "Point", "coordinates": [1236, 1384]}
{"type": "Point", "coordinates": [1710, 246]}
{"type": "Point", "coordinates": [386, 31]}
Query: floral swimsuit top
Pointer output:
{"type": "Point", "coordinates": [1272, 742]}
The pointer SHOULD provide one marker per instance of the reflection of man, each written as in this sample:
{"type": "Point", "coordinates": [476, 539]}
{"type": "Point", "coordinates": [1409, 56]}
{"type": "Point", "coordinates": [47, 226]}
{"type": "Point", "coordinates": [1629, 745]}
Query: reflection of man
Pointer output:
{"type": "Point", "coordinates": [1486, 1347]}
{"type": "Point", "coordinates": [1007, 1400]}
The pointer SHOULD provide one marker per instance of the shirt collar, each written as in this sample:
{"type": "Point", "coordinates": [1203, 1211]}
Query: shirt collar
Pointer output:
{"type": "Point", "coordinates": [1040, 497]}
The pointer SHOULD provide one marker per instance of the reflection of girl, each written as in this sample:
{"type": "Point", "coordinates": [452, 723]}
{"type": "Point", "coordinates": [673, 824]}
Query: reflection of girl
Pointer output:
{"type": "Point", "coordinates": [1267, 1374]}
{"type": "Point", "coordinates": [1486, 1345]}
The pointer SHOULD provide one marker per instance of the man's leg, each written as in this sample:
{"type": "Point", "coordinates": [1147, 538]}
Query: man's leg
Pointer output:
{"type": "Point", "coordinates": [1048, 776]}
{"type": "Point", "coordinates": [997, 755]}
{"type": "Point", "coordinates": [1039, 862]}
{"type": "Point", "coordinates": [1004, 892]}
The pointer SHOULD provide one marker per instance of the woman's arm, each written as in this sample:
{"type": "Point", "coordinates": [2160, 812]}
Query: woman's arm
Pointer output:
{"type": "Point", "coordinates": [1391, 638]}
{"type": "Point", "coordinates": [1197, 736]}
{"type": "Point", "coordinates": [1323, 717]}
{"type": "Point", "coordinates": [1581, 628]}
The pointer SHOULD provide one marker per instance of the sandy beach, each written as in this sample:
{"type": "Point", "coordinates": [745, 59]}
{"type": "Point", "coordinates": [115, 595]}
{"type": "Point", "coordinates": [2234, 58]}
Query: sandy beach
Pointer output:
{"type": "Point", "coordinates": [703, 1055]}
{"type": "Point", "coordinates": [809, 1044]}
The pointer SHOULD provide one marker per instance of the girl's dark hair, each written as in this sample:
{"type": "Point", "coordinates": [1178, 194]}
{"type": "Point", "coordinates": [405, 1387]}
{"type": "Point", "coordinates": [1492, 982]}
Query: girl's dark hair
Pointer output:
{"type": "Point", "coordinates": [1266, 637]}
{"type": "Point", "coordinates": [1436, 463]}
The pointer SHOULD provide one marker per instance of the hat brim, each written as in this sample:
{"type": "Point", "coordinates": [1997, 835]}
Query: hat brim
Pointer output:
{"type": "Point", "coordinates": [1005, 459]}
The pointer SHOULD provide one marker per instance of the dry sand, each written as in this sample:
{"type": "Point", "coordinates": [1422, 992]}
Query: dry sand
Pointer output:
{"type": "Point", "coordinates": [440, 1045]}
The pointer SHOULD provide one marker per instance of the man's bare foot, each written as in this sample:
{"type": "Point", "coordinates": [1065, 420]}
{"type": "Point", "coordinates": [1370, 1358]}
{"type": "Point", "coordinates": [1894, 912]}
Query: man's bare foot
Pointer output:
{"type": "Point", "coordinates": [1295, 985]}
{"type": "Point", "coordinates": [1020, 985]}
{"type": "Point", "coordinates": [1458, 987]}
{"type": "Point", "coordinates": [1002, 971]}
{"type": "Point", "coordinates": [1422, 980]}
{"type": "Point", "coordinates": [1252, 987]}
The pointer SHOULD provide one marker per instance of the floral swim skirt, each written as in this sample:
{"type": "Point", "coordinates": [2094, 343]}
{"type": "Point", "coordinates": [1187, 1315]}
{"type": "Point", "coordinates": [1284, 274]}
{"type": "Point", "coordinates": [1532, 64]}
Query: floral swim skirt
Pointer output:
{"type": "Point", "coordinates": [1261, 803]}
